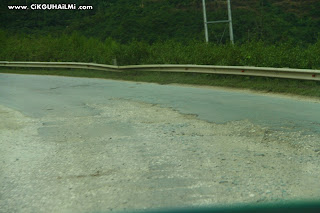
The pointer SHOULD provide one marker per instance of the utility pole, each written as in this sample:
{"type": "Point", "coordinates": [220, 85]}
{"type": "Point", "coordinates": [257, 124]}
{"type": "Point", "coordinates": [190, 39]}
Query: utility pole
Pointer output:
{"type": "Point", "coordinates": [205, 20]}
{"type": "Point", "coordinates": [214, 22]}
{"type": "Point", "coordinates": [230, 22]}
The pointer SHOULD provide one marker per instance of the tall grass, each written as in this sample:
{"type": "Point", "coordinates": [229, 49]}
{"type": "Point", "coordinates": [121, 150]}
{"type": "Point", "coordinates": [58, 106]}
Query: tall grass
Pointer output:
{"type": "Point", "coordinates": [78, 48]}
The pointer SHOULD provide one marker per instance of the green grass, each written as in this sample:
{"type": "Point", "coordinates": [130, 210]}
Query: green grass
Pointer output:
{"type": "Point", "coordinates": [77, 48]}
{"type": "Point", "coordinates": [263, 84]}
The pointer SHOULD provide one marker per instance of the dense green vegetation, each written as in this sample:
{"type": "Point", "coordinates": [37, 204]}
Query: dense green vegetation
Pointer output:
{"type": "Point", "coordinates": [153, 20]}
{"type": "Point", "coordinates": [274, 33]}
{"type": "Point", "coordinates": [77, 47]}
{"type": "Point", "coordinates": [268, 33]}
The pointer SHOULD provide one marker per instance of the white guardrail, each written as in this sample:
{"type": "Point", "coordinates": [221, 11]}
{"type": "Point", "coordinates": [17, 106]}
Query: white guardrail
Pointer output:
{"type": "Point", "coordinates": [304, 74]}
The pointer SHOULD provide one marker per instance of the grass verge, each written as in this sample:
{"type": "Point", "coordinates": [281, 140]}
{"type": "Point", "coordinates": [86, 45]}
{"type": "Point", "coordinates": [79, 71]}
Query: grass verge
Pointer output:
{"type": "Point", "coordinates": [262, 84]}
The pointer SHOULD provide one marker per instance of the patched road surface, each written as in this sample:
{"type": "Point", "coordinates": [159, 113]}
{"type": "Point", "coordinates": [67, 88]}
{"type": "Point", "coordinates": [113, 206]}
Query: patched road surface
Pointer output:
{"type": "Point", "coordinates": [88, 145]}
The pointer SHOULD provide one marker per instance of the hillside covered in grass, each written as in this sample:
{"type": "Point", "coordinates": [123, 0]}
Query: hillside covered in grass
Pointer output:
{"type": "Point", "coordinates": [78, 48]}
{"type": "Point", "coordinates": [158, 20]}
{"type": "Point", "coordinates": [268, 33]}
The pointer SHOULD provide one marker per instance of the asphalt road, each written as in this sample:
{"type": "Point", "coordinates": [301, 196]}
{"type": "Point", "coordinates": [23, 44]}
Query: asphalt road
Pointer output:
{"type": "Point", "coordinates": [84, 145]}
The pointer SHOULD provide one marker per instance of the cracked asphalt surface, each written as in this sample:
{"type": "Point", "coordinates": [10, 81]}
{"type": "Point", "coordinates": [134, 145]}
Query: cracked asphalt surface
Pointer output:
{"type": "Point", "coordinates": [87, 145]}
